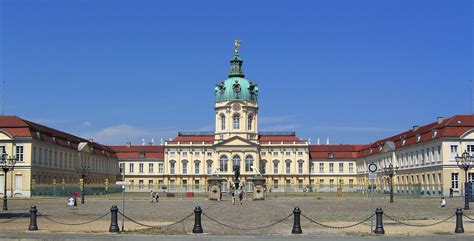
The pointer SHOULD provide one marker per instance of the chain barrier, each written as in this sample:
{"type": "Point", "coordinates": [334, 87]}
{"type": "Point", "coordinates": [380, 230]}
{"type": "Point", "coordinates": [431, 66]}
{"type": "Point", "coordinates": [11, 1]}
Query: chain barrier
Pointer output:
{"type": "Point", "coordinates": [418, 225]}
{"type": "Point", "coordinates": [468, 217]}
{"type": "Point", "coordinates": [80, 223]}
{"type": "Point", "coordinates": [248, 228]}
{"type": "Point", "coordinates": [16, 218]}
{"type": "Point", "coordinates": [156, 226]}
{"type": "Point", "coordinates": [337, 227]}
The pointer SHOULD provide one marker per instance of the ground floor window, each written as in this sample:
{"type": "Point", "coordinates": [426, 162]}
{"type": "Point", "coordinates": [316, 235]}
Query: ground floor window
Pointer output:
{"type": "Point", "coordinates": [196, 184]}
{"type": "Point", "coordinates": [455, 180]}
{"type": "Point", "coordinates": [141, 184]}
{"type": "Point", "coordinates": [331, 183]}
{"type": "Point", "coordinates": [470, 177]}
{"type": "Point", "coordinates": [150, 184]}
{"type": "Point", "coordinates": [185, 184]}
{"type": "Point", "coordinates": [300, 183]}
{"type": "Point", "coordinates": [351, 183]}
{"type": "Point", "coordinates": [275, 184]}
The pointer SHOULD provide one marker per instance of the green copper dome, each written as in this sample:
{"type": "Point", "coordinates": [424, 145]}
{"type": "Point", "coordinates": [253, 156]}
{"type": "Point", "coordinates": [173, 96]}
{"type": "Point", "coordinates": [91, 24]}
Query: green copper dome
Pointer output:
{"type": "Point", "coordinates": [236, 87]}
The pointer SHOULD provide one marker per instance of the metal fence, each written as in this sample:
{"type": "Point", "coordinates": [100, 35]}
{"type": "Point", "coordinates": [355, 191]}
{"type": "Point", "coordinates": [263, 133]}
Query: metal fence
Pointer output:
{"type": "Point", "coordinates": [61, 190]}
{"type": "Point", "coordinates": [102, 189]}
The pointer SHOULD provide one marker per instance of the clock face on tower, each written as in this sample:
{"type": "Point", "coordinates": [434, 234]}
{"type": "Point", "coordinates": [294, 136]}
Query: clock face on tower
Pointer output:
{"type": "Point", "coordinates": [236, 106]}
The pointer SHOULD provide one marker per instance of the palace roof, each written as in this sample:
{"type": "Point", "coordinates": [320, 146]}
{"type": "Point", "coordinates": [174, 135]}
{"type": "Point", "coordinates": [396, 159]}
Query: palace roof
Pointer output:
{"type": "Point", "coordinates": [18, 128]}
{"type": "Point", "coordinates": [139, 152]}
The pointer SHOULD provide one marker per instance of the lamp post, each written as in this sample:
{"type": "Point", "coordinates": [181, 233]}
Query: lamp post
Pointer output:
{"type": "Point", "coordinates": [83, 171]}
{"type": "Point", "coordinates": [390, 171]}
{"type": "Point", "coordinates": [465, 163]}
{"type": "Point", "coordinates": [8, 164]}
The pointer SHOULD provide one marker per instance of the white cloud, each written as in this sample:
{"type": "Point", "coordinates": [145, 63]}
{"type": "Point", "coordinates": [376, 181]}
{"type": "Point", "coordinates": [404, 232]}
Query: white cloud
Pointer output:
{"type": "Point", "coordinates": [282, 127]}
{"type": "Point", "coordinates": [354, 129]}
{"type": "Point", "coordinates": [264, 120]}
{"type": "Point", "coordinates": [120, 134]}
{"type": "Point", "coordinates": [86, 124]}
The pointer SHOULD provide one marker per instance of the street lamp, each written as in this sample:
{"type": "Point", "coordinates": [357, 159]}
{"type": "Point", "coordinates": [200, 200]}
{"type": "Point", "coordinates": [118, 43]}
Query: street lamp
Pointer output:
{"type": "Point", "coordinates": [390, 171]}
{"type": "Point", "coordinates": [465, 163]}
{"type": "Point", "coordinates": [83, 171]}
{"type": "Point", "coordinates": [8, 164]}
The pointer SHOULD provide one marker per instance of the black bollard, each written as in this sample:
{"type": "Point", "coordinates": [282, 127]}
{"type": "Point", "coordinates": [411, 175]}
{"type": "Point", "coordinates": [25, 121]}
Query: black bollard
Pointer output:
{"type": "Point", "coordinates": [114, 228]}
{"type": "Point", "coordinates": [378, 221]}
{"type": "Point", "coordinates": [197, 220]}
{"type": "Point", "coordinates": [296, 221]}
{"type": "Point", "coordinates": [33, 224]}
{"type": "Point", "coordinates": [459, 225]}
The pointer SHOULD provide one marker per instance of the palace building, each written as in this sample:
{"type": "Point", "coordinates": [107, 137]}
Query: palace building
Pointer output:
{"type": "Point", "coordinates": [424, 155]}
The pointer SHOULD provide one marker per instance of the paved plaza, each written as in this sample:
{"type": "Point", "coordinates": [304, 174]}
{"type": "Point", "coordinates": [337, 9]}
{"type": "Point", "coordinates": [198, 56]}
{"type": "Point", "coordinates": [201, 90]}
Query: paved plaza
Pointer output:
{"type": "Point", "coordinates": [240, 219]}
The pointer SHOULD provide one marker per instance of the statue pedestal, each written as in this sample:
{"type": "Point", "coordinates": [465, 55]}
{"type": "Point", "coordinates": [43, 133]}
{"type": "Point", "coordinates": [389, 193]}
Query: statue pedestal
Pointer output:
{"type": "Point", "coordinates": [258, 182]}
{"type": "Point", "coordinates": [215, 187]}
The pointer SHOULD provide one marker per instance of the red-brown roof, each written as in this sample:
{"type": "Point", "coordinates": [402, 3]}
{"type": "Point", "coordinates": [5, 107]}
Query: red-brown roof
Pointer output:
{"type": "Point", "coordinates": [138, 152]}
{"type": "Point", "coordinates": [18, 127]}
{"type": "Point", "coordinates": [278, 138]}
{"type": "Point", "coordinates": [192, 138]}
{"type": "Point", "coordinates": [338, 151]}
{"type": "Point", "coordinates": [454, 126]}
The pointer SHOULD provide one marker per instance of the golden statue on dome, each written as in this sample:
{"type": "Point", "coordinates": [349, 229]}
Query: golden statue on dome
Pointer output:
{"type": "Point", "coordinates": [236, 46]}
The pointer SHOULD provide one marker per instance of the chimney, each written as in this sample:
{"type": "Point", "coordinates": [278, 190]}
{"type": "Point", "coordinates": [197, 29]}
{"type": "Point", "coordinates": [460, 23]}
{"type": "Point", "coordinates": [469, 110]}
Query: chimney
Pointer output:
{"type": "Point", "coordinates": [152, 141]}
{"type": "Point", "coordinates": [327, 141]}
{"type": "Point", "coordinates": [415, 128]}
{"type": "Point", "coordinates": [309, 141]}
{"type": "Point", "coordinates": [440, 119]}
{"type": "Point", "coordinates": [161, 141]}
{"type": "Point", "coordinates": [129, 144]}
{"type": "Point", "coordinates": [143, 142]}
{"type": "Point", "coordinates": [91, 140]}
{"type": "Point", "coordinates": [318, 141]}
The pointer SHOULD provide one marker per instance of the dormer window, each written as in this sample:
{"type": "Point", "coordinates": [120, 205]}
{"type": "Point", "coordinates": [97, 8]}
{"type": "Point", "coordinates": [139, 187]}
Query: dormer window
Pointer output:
{"type": "Point", "coordinates": [331, 155]}
{"type": "Point", "coordinates": [434, 133]}
{"type": "Point", "coordinates": [403, 141]}
{"type": "Point", "coordinates": [38, 134]}
{"type": "Point", "coordinates": [380, 148]}
{"type": "Point", "coordinates": [418, 138]}
{"type": "Point", "coordinates": [142, 154]}
{"type": "Point", "coordinates": [370, 151]}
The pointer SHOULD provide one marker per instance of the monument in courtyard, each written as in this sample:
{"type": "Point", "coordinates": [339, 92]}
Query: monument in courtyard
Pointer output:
{"type": "Point", "coordinates": [215, 186]}
{"type": "Point", "coordinates": [258, 185]}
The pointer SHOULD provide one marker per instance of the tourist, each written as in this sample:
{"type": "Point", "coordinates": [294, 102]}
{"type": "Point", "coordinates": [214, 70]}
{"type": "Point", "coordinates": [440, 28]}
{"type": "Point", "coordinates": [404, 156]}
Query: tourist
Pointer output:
{"type": "Point", "coordinates": [443, 202]}
{"type": "Point", "coordinates": [152, 195]}
{"type": "Point", "coordinates": [233, 197]}
{"type": "Point", "coordinates": [241, 196]}
{"type": "Point", "coordinates": [156, 196]}
{"type": "Point", "coordinates": [451, 191]}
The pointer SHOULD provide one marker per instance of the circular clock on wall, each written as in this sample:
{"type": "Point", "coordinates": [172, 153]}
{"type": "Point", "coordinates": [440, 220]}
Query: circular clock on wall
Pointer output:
{"type": "Point", "coordinates": [236, 106]}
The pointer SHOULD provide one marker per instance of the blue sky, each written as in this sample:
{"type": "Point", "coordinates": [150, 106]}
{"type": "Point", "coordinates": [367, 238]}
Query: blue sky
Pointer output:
{"type": "Point", "coordinates": [350, 71]}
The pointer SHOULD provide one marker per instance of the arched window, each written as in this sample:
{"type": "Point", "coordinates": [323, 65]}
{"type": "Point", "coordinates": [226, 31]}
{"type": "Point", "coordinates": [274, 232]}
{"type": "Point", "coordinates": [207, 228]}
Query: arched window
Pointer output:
{"type": "Point", "coordinates": [248, 163]}
{"type": "Point", "coordinates": [222, 122]}
{"type": "Point", "coordinates": [288, 166]}
{"type": "Point", "coordinates": [172, 167]}
{"type": "Point", "coordinates": [209, 167]}
{"type": "Point", "coordinates": [223, 163]}
{"type": "Point", "coordinates": [249, 122]}
{"type": "Point", "coordinates": [275, 166]}
{"type": "Point", "coordinates": [236, 161]}
{"type": "Point", "coordinates": [236, 121]}
{"type": "Point", "coordinates": [197, 164]}
{"type": "Point", "coordinates": [262, 168]}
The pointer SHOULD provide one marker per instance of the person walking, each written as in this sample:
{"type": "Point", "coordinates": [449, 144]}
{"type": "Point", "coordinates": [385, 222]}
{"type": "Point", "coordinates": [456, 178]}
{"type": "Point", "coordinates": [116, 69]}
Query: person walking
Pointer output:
{"type": "Point", "coordinates": [241, 196]}
{"type": "Point", "coordinates": [451, 191]}
{"type": "Point", "coordinates": [152, 195]}
{"type": "Point", "coordinates": [443, 202]}
{"type": "Point", "coordinates": [233, 197]}
{"type": "Point", "coordinates": [157, 196]}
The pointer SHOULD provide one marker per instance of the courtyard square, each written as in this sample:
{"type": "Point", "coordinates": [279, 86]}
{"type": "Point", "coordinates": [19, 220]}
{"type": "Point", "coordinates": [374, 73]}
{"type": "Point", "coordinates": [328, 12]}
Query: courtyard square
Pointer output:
{"type": "Point", "coordinates": [245, 219]}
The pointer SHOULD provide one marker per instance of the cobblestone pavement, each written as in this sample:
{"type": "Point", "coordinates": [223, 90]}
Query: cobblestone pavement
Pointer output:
{"type": "Point", "coordinates": [202, 237]}
{"type": "Point", "coordinates": [328, 210]}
